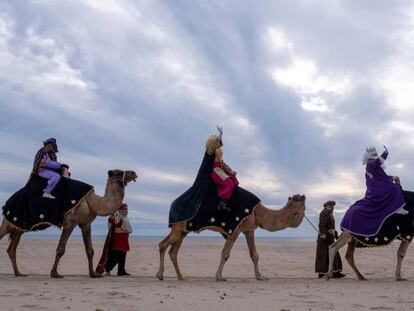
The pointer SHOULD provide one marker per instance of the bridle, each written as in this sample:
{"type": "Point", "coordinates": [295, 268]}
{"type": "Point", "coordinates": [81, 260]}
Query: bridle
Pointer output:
{"type": "Point", "coordinates": [120, 180]}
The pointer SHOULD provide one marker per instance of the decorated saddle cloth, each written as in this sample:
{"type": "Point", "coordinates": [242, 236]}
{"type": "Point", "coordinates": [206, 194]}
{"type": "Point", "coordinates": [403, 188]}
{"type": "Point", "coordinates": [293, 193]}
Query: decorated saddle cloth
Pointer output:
{"type": "Point", "coordinates": [396, 226]}
{"type": "Point", "coordinates": [242, 204]}
{"type": "Point", "coordinates": [29, 211]}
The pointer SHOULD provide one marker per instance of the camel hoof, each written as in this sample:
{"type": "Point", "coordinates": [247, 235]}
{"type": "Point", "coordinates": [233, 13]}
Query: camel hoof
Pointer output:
{"type": "Point", "coordinates": [262, 278]}
{"type": "Point", "coordinates": [18, 274]}
{"type": "Point", "coordinates": [182, 279]}
{"type": "Point", "coordinates": [362, 279]}
{"type": "Point", "coordinates": [95, 275]}
{"type": "Point", "coordinates": [56, 275]}
{"type": "Point", "coordinates": [401, 279]}
{"type": "Point", "coordinates": [221, 279]}
{"type": "Point", "coordinates": [160, 276]}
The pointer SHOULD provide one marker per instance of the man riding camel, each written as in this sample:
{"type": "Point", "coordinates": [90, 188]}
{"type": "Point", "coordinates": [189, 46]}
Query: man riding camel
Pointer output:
{"type": "Point", "coordinates": [224, 178]}
{"type": "Point", "coordinates": [383, 197]}
{"type": "Point", "coordinates": [45, 165]}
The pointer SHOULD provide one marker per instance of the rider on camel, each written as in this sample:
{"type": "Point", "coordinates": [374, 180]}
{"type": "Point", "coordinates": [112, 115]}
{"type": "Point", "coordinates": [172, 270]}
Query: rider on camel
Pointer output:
{"type": "Point", "coordinates": [383, 197]}
{"type": "Point", "coordinates": [45, 165]}
{"type": "Point", "coordinates": [224, 178]}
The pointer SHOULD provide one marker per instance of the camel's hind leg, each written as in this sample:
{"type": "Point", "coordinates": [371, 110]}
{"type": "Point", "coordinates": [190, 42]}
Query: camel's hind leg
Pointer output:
{"type": "Point", "coordinates": [400, 256]}
{"type": "Point", "coordinates": [343, 239]}
{"type": "Point", "coordinates": [225, 254]}
{"type": "Point", "coordinates": [87, 241]}
{"type": "Point", "coordinates": [175, 234]}
{"type": "Point", "coordinates": [350, 259]}
{"type": "Point", "coordinates": [253, 254]}
{"type": "Point", "coordinates": [15, 236]}
{"type": "Point", "coordinates": [66, 232]}
{"type": "Point", "coordinates": [173, 255]}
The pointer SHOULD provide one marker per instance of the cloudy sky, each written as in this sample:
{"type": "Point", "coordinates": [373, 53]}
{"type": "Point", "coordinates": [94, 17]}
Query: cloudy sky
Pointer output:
{"type": "Point", "coordinates": [300, 88]}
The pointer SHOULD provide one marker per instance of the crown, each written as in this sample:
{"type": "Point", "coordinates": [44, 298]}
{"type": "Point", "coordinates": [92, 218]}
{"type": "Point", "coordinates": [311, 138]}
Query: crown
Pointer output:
{"type": "Point", "coordinates": [371, 149]}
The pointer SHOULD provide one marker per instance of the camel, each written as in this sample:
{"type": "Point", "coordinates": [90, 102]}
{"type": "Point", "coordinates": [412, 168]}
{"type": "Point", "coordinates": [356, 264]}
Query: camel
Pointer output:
{"type": "Point", "coordinates": [346, 237]}
{"type": "Point", "coordinates": [82, 215]}
{"type": "Point", "coordinates": [291, 215]}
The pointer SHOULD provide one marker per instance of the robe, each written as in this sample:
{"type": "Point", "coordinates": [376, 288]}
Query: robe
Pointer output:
{"type": "Point", "coordinates": [326, 222]}
{"type": "Point", "coordinates": [382, 199]}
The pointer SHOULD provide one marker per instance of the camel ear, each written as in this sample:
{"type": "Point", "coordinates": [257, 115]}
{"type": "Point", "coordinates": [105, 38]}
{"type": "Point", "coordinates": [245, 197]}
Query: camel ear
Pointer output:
{"type": "Point", "coordinates": [303, 197]}
{"type": "Point", "coordinates": [289, 198]}
{"type": "Point", "coordinates": [110, 173]}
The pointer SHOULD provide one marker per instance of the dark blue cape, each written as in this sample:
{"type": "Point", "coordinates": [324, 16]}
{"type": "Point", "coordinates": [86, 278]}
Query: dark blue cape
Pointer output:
{"type": "Point", "coordinates": [186, 205]}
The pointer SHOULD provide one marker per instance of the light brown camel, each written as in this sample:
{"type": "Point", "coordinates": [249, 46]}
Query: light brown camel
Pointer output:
{"type": "Point", "coordinates": [271, 220]}
{"type": "Point", "coordinates": [82, 215]}
{"type": "Point", "coordinates": [347, 238]}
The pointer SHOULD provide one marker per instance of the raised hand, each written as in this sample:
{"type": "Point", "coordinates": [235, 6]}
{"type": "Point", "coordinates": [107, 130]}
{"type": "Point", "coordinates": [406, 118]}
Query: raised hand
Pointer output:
{"type": "Point", "coordinates": [220, 129]}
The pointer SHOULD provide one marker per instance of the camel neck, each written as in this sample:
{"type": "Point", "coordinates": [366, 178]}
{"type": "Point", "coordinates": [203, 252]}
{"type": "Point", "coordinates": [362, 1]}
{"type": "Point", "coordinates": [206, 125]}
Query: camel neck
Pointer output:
{"type": "Point", "coordinates": [272, 220]}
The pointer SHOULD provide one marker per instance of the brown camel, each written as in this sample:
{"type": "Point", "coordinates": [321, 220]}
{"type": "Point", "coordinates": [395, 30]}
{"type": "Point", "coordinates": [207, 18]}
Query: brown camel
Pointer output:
{"type": "Point", "coordinates": [347, 237]}
{"type": "Point", "coordinates": [271, 220]}
{"type": "Point", "coordinates": [82, 215]}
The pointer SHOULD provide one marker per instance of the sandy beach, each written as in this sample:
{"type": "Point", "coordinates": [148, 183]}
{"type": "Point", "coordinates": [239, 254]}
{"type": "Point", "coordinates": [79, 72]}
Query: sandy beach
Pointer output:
{"type": "Point", "coordinates": [292, 284]}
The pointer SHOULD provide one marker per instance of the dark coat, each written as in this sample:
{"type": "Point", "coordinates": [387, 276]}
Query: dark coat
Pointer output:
{"type": "Point", "coordinates": [186, 205]}
{"type": "Point", "coordinates": [326, 222]}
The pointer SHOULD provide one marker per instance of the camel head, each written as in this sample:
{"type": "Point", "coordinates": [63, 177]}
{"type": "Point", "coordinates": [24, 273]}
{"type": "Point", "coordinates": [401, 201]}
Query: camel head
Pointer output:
{"type": "Point", "coordinates": [122, 177]}
{"type": "Point", "coordinates": [295, 207]}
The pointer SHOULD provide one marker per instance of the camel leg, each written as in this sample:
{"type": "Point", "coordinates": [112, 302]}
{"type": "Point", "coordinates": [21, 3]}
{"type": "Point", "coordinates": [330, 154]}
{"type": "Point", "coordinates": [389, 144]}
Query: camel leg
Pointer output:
{"type": "Point", "coordinates": [343, 239]}
{"type": "Point", "coordinates": [400, 256]}
{"type": "Point", "coordinates": [225, 254]}
{"type": "Point", "coordinates": [173, 255]}
{"type": "Point", "coordinates": [60, 250]}
{"type": "Point", "coordinates": [163, 246]}
{"type": "Point", "coordinates": [254, 255]}
{"type": "Point", "coordinates": [3, 229]}
{"type": "Point", "coordinates": [15, 236]}
{"type": "Point", "coordinates": [349, 256]}
{"type": "Point", "coordinates": [87, 241]}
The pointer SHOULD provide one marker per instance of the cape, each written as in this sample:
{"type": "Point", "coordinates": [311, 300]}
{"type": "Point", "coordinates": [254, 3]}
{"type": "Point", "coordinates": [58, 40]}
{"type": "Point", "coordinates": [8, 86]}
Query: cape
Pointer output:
{"type": "Point", "coordinates": [29, 211]}
{"type": "Point", "coordinates": [198, 205]}
{"type": "Point", "coordinates": [382, 199]}
{"type": "Point", "coordinates": [397, 226]}
{"type": "Point", "coordinates": [186, 205]}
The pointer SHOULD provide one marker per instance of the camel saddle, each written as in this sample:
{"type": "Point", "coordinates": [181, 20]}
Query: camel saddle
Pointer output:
{"type": "Point", "coordinates": [29, 211]}
{"type": "Point", "coordinates": [396, 226]}
{"type": "Point", "coordinates": [241, 204]}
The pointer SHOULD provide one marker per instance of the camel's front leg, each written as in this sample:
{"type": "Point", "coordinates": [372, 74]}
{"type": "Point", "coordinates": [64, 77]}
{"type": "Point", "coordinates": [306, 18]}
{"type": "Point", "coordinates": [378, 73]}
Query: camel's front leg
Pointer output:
{"type": "Point", "coordinates": [349, 256]}
{"type": "Point", "coordinates": [254, 255]}
{"type": "Point", "coordinates": [66, 232]}
{"type": "Point", "coordinates": [173, 255]}
{"type": "Point", "coordinates": [400, 256]}
{"type": "Point", "coordinates": [11, 250]}
{"type": "Point", "coordinates": [163, 246]}
{"type": "Point", "coordinates": [87, 241]}
{"type": "Point", "coordinates": [343, 239]}
{"type": "Point", "coordinates": [225, 254]}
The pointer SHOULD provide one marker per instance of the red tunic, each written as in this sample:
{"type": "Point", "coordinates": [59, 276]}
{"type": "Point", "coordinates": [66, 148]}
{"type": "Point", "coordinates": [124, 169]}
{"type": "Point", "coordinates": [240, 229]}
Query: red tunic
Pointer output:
{"type": "Point", "coordinates": [225, 181]}
{"type": "Point", "coordinates": [120, 240]}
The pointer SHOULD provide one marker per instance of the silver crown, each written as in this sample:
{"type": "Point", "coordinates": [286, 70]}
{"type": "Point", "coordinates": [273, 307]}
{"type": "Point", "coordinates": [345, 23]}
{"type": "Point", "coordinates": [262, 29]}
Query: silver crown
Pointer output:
{"type": "Point", "coordinates": [371, 149]}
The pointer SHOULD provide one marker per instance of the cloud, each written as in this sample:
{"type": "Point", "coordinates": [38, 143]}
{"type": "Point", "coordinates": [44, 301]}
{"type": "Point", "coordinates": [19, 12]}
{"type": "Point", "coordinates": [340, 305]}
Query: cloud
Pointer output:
{"type": "Point", "coordinates": [300, 89]}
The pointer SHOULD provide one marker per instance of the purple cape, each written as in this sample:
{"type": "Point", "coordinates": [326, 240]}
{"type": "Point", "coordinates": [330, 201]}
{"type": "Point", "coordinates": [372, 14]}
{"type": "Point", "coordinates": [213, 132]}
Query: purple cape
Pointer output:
{"type": "Point", "coordinates": [382, 199]}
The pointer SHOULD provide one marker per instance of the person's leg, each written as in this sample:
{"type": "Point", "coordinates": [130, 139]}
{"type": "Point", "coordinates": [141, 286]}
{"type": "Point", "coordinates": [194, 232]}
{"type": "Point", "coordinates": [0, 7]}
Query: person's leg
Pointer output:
{"type": "Point", "coordinates": [53, 179]}
{"type": "Point", "coordinates": [121, 263]}
{"type": "Point", "coordinates": [111, 261]}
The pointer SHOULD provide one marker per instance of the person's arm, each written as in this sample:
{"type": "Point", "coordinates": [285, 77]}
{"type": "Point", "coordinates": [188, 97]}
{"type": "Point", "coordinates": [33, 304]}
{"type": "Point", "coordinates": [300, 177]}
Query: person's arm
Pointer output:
{"type": "Point", "coordinates": [232, 174]}
{"type": "Point", "coordinates": [47, 162]}
{"type": "Point", "coordinates": [224, 183]}
{"type": "Point", "coordinates": [323, 219]}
